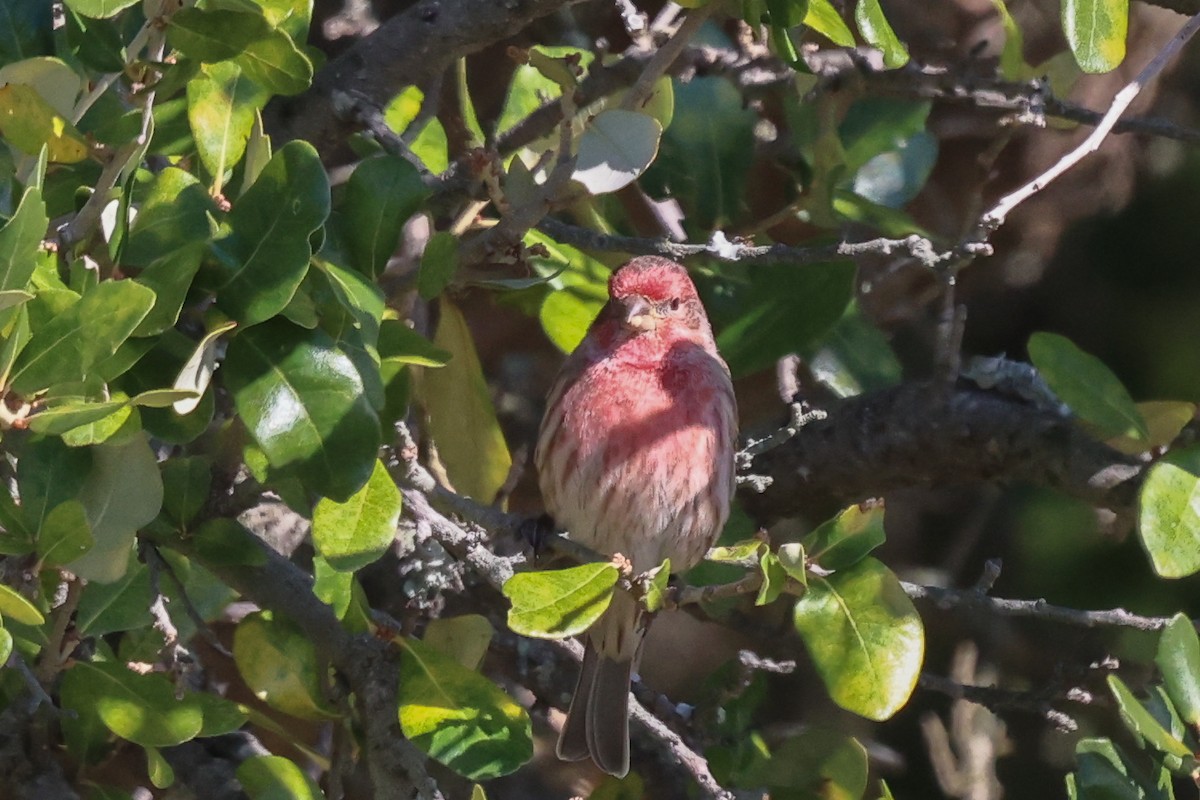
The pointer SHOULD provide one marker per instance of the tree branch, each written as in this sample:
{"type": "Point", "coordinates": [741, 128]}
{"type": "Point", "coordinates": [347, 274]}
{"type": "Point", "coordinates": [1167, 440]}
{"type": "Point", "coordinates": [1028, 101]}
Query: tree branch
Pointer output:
{"type": "Point", "coordinates": [914, 435]}
{"type": "Point", "coordinates": [411, 48]}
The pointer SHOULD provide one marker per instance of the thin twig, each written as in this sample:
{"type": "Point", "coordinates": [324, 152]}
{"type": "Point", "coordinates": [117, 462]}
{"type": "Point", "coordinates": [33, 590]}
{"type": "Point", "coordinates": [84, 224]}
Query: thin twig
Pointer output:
{"type": "Point", "coordinates": [996, 217]}
{"type": "Point", "coordinates": [661, 61]}
{"type": "Point", "coordinates": [1037, 609]}
{"type": "Point", "coordinates": [996, 698]}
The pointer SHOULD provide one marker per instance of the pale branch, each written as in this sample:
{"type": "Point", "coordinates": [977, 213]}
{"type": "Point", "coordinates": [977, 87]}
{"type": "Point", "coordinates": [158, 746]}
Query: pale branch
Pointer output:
{"type": "Point", "coordinates": [997, 215]}
{"type": "Point", "coordinates": [945, 598]}
{"type": "Point", "coordinates": [411, 48]}
{"type": "Point", "coordinates": [721, 249]}
{"type": "Point", "coordinates": [918, 435]}
{"type": "Point", "coordinates": [665, 56]}
{"type": "Point", "coordinates": [396, 767]}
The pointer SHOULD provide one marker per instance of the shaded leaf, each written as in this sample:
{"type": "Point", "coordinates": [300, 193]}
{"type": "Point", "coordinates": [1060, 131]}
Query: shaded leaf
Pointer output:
{"type": "Point", "coordinates": [382, 193]}
{"type": "Point", "coordinates": [462, 419]}
{"type": "Point", "coordinates": [555, 604]}
{"type": "Point", "coordinates": [615, 149]}
{"type": "Point", "coordinates": [29, 123]}
{"type": "Point", "coordinates": [214, 34]}
{"type": "Point", "coordinates": [1084, 383]}
{"type": "Point", "coordinates": [196, 373]}
{"type": "Point", "coordinates": [122, 493]}
{"type": "Point", "coordinates": [276, 778]}
{"type": "Point", "coordinates": [1178, 658]}
{"type": "Point", "coordinates": [279, 664]}
{"type": "Point", "coordinates": [464, 638]}
{"type": "Point", "coordinates": [186, 484]}
{"type": "Point", "coordinates": [221, 102]}
{"type": "Point", "coordinates": [65, 534]}
{"type": "Point", "coordinates": [1139, 720]}
{"type": "Point", "coordinates": [439, 262]}
{"type": "Point", "coordinates": [264, 258]}
{"type": "Point", "coordinates": [275, 63]}
{"type": "Point", "coordinates": [21, 240]}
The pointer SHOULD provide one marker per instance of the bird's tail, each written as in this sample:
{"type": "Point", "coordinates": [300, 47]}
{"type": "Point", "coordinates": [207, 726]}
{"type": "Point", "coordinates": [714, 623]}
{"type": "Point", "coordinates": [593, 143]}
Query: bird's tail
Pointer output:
{"type": "Point", "coordinates": [598, 720]}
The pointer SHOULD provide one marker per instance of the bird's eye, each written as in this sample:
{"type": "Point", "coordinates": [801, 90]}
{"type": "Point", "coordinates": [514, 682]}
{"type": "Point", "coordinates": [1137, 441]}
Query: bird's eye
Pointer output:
{"type": "Point", "coordinates": [674, 304]}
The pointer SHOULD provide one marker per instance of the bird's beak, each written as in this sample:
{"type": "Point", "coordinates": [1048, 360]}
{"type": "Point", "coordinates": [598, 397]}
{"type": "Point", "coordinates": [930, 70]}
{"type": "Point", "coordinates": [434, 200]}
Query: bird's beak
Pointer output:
{"type": "Point", "coordinates": [639, 314]}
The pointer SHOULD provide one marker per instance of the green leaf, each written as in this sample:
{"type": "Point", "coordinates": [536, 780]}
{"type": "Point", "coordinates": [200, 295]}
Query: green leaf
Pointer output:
{"type": "Point", "coordinates": [196, 373]}
{"type": "Point", "coordinates": [1179, 660]}
{"type": "Point", "coordinates": [29, 123]}
{"type": "Point", "coordinates": [656, 587]}
{"type": "Point", "coordinates": [214, 34]}
{"type": "Point", "coordinates": [819, 763]}
{"type": "Point", "coordinates": [357, 532]}
{"type": "Point", "coordinates": [382, 193]}
{"type": "Point", "coordinates": [159, 771]}
{"type": "Point", "coordinates": [21, 241]}
{"type": "Point", "coordinates": [877, 31]}
{"type": "Point", "coordinates": [1169, 519]}
{"type": "Point", "coordinates": [459, 717]}
{"type": "Point", "coordinates": [1096, 31]}
{"type": "Point", "coordinates": [865, 638]}
{"type": "Point", "coordinates": [530, 88]}
{"type": "Point", "coordinates": [13, 338]}
{"type": "Point", "coordinates": [186, 484]}
{"type": "Point", "coordinates": [439, 262]}
{"type": "Point", "coordinates": [221, 716]}
{"type": "Point", "coordinates": [264, 258]}
{"type": "Point", "coordinates": [615, 149]}
{"type": "Point", "coordinates": [823, 18]}
{"type": "Point", "coordinates": [774, 578]}
{"type": "Point", "coordinates": [279, 664]}
{"type": "Point", "coordinates": [140, 708]}
{"type": "Point", "coordinates": [276, 778]}
{"type": "Point", "coordinates": [27, 31]}
{"type": "Point", "coordinates": [745, 553]}
{"type": "Point", "coordinates": [227, 541]}
{"type": "Point", "coordinates": [49, 473]}
{"type": "Point", "coordinates": [65, 534]}
{"type": "Point", "coordinates": [847, 538]}
{"type": "Point", "coordinates": [464, 638]}
{"type": "Point", "coordinates": [704, 157]}
{"type": "Point", "coordinates": [14, 606]}
{"type": "Point", "coordinates": [403, 345]}
{"type": "Point", "coordinates": [555, 604]}
{"type": "Point", "coordinates": [221, 103]}
{"type": "Point", "coordinates": [462, 419]}
{"type": "Point", "coordinates": [302, 400]}
{"type": "Point", "coordinates": [276, 64]}
{"type": "Point", "coordinates": [335, 589]}
{"type": "Point", "coordinates": [122, 493]}
{"type": "Point", "coordinates": [59, 419]}
{"type": "Point", "coordinates": [787, 308]}
{"type": "Point", "coordinates": [1139, 720]}
{"type": "Point", "coordinates": [1084, 383]}
{"type": "Point", "coordinates": [1102, 774]}
{"type": "Point", "coordinates": [90, 331]}
{"type": "Point", "coordinates": [174, 213]}
{"type": "Point", "coordinates": [581, 290]}
{"type": "Point", "coordinates": [1012, 56]}
{"type": "Point", "coordinates": [1165, 419]}
{"type": "Point", "coordinates": [6, 645]}
{"type": "Point", "coordinates": [99, 9]}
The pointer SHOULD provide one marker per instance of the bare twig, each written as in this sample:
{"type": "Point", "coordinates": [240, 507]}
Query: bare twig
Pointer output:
{"type": "Point", "coordinates": [996, 217]}
{"type": "Point", "coordinates": [666, 54]}
{"type": "Point", "coordinates": [1038, 609]}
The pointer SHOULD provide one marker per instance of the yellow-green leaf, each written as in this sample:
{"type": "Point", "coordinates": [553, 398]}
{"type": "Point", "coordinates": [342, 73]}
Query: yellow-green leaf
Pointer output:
{"type": "Point", "coordinates": [555, 604]}
{"type": "Point", "coordinates": [1096, 31]}
{"type": "Point", "coordinates": [29, 123]}
{"type": "Point", "coordinates": [459, 717]}
{"type": "Point", "coordinates": [865, 638]}
{"type": "Point", "coordinates": [462, 418]}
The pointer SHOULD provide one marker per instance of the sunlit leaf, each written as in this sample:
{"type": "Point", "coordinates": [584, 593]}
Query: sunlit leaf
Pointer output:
{"type": "Point", "coordinates": [14, 606]}
{"type": "Point", "coordinates": [351, 534]}
{"type": "Point", "coordinates": [848, 537]}
{"type": "Point", "coordinates": [616, 148]}
{"type": "Point", "coordinates": [876, 29]}
{"type": "Point", "coordinates": [1096, 31]}
{"type": "Point", "coordinates": [459, 717]}
{"type": "Point", "coordinates": [1179, 660]}
{"type": "Point", "coordinates": [1142, 723]}
{"type": "Point", "coordinates": [1169, 518]}
{"type": "Point", "coordinates": [29, 123]}
{"type": "Point", "coordinates": [276, 778]}
{"type": "Point", "coordinates": [865, 638]}
{"type": "Point", "coordinates": [221, 102]}
{"type": "Point", "coordinates": [140, 708]}
{"type": "Point", "coordinates": [555, 604]}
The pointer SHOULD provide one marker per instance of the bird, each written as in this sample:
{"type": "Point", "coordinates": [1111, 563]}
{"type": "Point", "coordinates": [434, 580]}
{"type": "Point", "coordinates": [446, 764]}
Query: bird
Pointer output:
{"type": "Point", "coordinates": [635, 456]}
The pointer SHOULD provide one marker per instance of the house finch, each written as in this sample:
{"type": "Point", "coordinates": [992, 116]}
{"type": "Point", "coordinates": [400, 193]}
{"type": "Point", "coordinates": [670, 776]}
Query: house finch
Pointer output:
{"type": "Point", "coordinates": [635, 456]}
